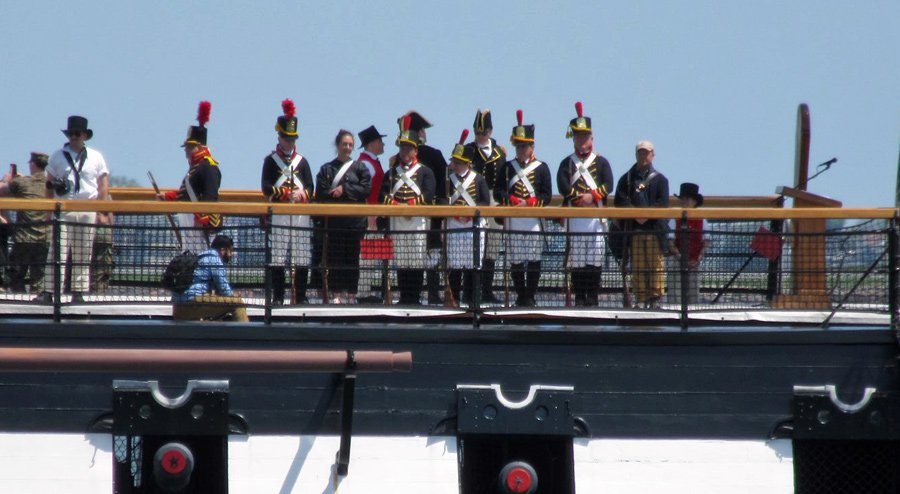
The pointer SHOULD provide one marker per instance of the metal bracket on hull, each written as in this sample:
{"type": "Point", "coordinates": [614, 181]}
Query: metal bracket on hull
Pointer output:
{"type": "Point", "coordinates": [484, 408]}
{"type": "Point", "coordinates": [819, 413]}
{"type": "Point", "coordinates": [348, 385]}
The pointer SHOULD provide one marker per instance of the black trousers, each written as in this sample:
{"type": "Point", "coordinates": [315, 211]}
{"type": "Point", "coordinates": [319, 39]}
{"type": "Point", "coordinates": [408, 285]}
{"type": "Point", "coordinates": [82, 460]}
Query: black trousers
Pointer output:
{"type": "Point", "coordinates": [342, 258]}
{"type": "Point", "coordinates": [586, 285]}
{"type": "Point", "coordinates": [410, 284]}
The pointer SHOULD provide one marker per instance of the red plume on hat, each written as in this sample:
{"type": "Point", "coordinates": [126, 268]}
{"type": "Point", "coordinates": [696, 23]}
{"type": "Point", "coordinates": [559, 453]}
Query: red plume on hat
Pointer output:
{"type": "Point", "coordinates": [203, 112]}
{"type": "Point", "coordinates": [519, 117]}
{"type": "Point", "coordinates": [464, 136]}
{"type": "Point", "coordinates": [579, 109]}
{"type": "Point", "coordinates": [407, 121]}
{"type": "Point", "coordinates": [288, 107]}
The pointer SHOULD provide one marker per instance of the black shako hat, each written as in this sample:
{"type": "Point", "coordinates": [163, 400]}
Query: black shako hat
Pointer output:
{"type": "Point", "coordinates": [461, 152]}
{"type": "Point", "coordinates": [368, 135]}
{"type": "Point", "coordinates": [407, 136]}
{"type": "Point", "coordinates": [688, 190]}
{"type": "Point", "coordinates": [482, 122]}
{"type": "Point", "coordinates": [579, 124]}
{"type": "Point", "coordinates": [197, 133]}
{"type": "Point", "coordinates": [286, 124]}
{"type": "Point", "coordinates": [416, 121]}
{"type": "Point", "coordinates": [78, 124]}
{"type": "Point", "coordinates": [522, 133]}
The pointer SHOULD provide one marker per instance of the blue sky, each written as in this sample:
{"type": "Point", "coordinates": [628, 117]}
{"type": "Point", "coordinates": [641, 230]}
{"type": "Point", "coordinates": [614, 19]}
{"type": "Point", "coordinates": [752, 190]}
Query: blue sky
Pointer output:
{"type": "Point", "coordinates": [714, 84]}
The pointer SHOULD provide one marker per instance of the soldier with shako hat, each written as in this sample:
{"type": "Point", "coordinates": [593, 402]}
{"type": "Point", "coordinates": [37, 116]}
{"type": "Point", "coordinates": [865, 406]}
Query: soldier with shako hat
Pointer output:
{"type": "Point", "coordinates": [585, 180]}
{"type": "Point", "coordinates": [467, 188]}
{"type": "Point", "coordinates": [200, 184]}
{"type": "Point", "coordinates": [409, 182]}
{"type": "Point", "coordinates": [487, 159]}
{"type": "Point", "coordinates": [434, 159]}
{"type": "Point", "coordinates": [287, 178]}
{"type": "Point", "coordinates": [524, 181]}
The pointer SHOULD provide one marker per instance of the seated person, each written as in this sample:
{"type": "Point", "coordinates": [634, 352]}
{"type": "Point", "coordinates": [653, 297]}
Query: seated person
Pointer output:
{"type": "Point", "coordinates": [210, 296]}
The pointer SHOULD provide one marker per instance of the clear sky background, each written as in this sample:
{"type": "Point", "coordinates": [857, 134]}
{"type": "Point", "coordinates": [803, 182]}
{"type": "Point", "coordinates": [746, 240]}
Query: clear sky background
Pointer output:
{"type": "Point", "coordinates": [714, 84]}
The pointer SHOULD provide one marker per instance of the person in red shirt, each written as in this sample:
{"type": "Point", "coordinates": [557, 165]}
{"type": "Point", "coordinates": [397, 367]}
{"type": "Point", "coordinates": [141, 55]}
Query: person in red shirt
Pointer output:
{"type": "Point", "coordinates": [690, 197]}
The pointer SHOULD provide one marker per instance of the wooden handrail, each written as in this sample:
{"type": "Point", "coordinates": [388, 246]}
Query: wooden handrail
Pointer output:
{"type": "Point", "coordinates": [234, 195]}
{"type": "Point", "coordinates": [238, 208]}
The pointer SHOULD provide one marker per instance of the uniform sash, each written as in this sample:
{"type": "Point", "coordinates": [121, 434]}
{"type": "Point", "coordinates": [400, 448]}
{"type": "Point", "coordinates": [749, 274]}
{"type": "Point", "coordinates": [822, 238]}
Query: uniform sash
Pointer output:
{"type": "Point", "coordinates": [405, 178]}
{"type": "Point", "coordinates": [522, 175]}
{"type": "Point", "coordinates": [582, 171]}
{"type": "Point", "coordinates": [460, 188]}
{"type": "Point", "coordinates": [288, 169]}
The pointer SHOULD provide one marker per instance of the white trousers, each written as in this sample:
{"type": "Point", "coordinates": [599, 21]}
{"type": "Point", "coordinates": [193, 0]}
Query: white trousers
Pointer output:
{"type": "Point", "coordinates": [76, 240]}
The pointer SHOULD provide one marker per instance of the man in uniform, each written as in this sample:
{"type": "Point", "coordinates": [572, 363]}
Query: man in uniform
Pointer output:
{"type": "Point", "coordinates": [487, 159]}
{"type": "Point", "coordinates": [373, 147]}
{"type": "Point", "coordinates": [584, 179]}
{"type": "Point", "coordinates": [286, 177]}
{"type": "Point", "coordinates": [524, 182]}
{"type": "Point", "coordinates": [433, 159]}
{"type": "Point", "coordinates": [409, 183]}
{"type": "Point", "coordinates": [467, 188]}
{"type": "Point", "coordinates": [644, 187]}
{"type": "Point", "coordinates": [29, 252]}
{"type": "Point", "coordinates": [75, 172]}
{"type": "Point", "coordinates": [200, 184]}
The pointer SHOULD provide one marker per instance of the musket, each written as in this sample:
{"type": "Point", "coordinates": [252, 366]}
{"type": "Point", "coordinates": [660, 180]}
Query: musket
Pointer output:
{"type": "Point", "coordinates": [626, 258]}
{"type": "Point", "coordinates": [566, 270]}
{"type": "Point", "coordinates": [169, 216]}
{"type": "Point", "coordinates": [385, 263]}
{"type": "Point", "coordinates": [449, 299]}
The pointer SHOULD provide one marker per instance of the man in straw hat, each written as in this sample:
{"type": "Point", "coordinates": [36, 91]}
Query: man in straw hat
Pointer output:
{"type": "Point", "coordinates": [487, 159]}
{"type": "Point", "coordinates": [644, 187]}
{"type": "Point", "coordinates": [287, 178]}
{"type": "Point", "coordinates": [525, 183]}
{"type": "Point", "coordinates": [200, 184]}
{"type": "Point", "coordinates": [585, 180]}
{"type": "Point", "coordinates": [75, 172]}
{"type": "Point", "coordinates": [409, 183]}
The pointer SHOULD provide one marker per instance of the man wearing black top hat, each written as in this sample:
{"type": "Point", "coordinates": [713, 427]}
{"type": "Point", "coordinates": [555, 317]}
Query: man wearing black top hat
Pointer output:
{"type": "Point", "coordinates": [200, 184]}
{"type": "Point", "coordinates": [434, 160]}
{"type": "Point", "coordinates": [75, 172]}
{"type": "Point", "coordinates": [487, 159]}
{"type": "Point", "coordinates": [585, 180]}
{"type": "Point", "coordinates": [372, 145]}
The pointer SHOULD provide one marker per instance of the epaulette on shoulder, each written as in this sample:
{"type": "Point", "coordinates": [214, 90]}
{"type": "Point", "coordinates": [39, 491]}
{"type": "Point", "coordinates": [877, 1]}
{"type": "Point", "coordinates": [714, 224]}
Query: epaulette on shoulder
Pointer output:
{"type": "Point", "coordinates": [502, 149]}
{"type": "Point", "coordinates": [393, 160]}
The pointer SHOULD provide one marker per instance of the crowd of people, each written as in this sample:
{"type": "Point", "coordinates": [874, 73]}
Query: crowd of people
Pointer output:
{"type": "Point", "coordinates": [479, 173]}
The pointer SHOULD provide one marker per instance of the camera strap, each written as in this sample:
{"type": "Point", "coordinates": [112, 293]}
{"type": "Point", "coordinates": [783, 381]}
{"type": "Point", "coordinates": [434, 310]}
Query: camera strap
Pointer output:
{"type": "Point", "coordinates": [78, 169]}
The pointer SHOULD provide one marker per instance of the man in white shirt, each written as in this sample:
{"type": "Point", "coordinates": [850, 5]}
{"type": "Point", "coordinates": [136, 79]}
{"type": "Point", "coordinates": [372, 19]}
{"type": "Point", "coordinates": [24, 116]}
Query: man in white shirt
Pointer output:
{"type": "Point", "coordinates": [75, 172]}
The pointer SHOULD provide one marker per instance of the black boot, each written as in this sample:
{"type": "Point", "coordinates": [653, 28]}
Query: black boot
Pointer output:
{"type": "Point", "coordinates": [301, 275]}
{"type": "Point", "coordinates": [534, 278]}
{"type": "Point", "coordinates": [456, 277]}
{"type": "Point", "coordinates": [487, 282]}
{"type": "Point", "coordinates": [433, 281]}
{"type": "Point", "coordinates": [277, 286]}
{"type": "Point", "coordinates": [518, 277]}
{"type": "Point", "coordinates": [468, 287]}
{"type": "Point", "coordinates": [592, 292]}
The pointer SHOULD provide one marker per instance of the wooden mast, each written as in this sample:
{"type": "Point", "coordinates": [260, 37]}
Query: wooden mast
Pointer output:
{"type": "Point", "coordinates": [807, 282]}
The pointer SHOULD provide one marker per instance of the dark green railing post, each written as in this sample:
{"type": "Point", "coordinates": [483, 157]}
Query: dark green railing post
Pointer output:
{"type": "Point", "coordinates": [894, 275]}
{"type": "Point", "coordinates": [267, 276]}
{"type": "Point", "coordinates": [475, 287]}
{"type": "Point", "coordinates": [684, 268]}
{"type": "Point", "coordinates": [57, 263]}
